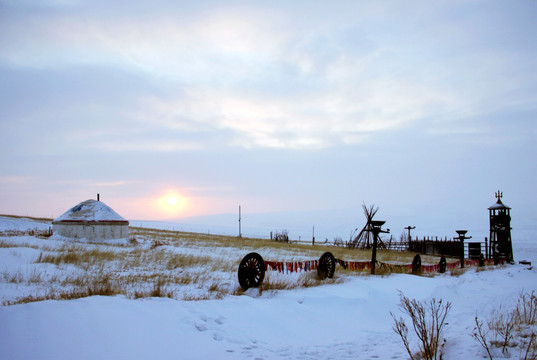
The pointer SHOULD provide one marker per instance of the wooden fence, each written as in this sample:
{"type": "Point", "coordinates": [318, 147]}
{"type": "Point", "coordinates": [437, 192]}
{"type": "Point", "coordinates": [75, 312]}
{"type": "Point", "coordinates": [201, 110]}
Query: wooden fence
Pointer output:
{"type": "Point", "coordinates": [448, 247]}
{"type": "Point", "coordinates": [427, 245]}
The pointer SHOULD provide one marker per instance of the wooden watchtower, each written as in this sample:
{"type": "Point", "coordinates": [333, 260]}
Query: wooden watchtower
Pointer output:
{"type": "Point", "coordinates": [500, 231]}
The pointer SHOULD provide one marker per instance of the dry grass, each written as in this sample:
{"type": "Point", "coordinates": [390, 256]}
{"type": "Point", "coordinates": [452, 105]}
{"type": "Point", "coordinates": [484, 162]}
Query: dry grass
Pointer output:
{"type": "Point", "coordinates": [179, 265]}
{"type": "Point", "coordinates": [196, 297]}
{"type": "Point", "coordinates": [131, 271]}
{"type": "Point", "coordinates": [276, 281]}
{"type": "Point", "coordinates": [301, 250]}
{"type": "Point", "coordinates": [175, 261]}
{"type": "Point", "coordinates": [13, 278]}
{"type": "Point", "coordinates": [46, 220]}
{"type": "Point", "coordinates": [158, 290]}
{"type": "Point", "coordinates": [9, 245]}
{"type": "Point", "coordinates": [78, 255]}
{"type": "Point", "coordinates": [102, 285]}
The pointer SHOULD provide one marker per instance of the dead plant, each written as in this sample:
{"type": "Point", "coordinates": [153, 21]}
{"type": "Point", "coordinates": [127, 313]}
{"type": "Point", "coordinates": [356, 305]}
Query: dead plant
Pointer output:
{"type": "Point", "coordinates": [511, 329]}
{"type": "Point", "coordinates": [428, 320]}
{"type": "Point", "coordinates": [480, 335]}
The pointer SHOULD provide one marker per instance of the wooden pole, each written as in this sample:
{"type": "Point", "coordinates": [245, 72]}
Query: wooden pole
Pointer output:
{"type": "Point", "coordinates": [374, 255]}
{"type": "Point", "coordinates": [240, 233]}
{"type": "Point", "coordinates": [462, 251]}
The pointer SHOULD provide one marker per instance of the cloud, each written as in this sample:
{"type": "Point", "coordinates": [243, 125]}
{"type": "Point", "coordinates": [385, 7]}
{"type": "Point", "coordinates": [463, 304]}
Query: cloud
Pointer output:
{"type": "Point", "coordinates": [163, 45]}
{"type": "Point", "coordinates": [191, 95]}
{"type": "Point", "coordinates": [111, 183]}
{"type": "Point", "coordinates": [140, 145]}
{"type": "Point", "coordinates": [345, 116]}
{"type": "Point", "coordinates": [266, 77]}
{"type": "Point", "coordinates": [15, 180]}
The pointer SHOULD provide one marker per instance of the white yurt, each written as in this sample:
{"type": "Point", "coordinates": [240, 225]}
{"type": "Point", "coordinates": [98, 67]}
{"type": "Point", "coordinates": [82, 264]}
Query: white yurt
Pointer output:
{"type": "Point", "coordinates": [93, 220]}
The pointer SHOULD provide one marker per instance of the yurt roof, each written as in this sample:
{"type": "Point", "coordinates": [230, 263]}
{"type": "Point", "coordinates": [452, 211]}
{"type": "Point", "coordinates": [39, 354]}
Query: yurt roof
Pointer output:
{"type": "Point", "coordinates": [91, 211]}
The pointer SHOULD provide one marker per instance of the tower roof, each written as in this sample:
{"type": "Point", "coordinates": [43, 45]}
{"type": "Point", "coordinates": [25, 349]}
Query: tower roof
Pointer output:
{"type": "Point", "coordinates": [498, 206]}
{"type": "Point", "coordinates": [91, 211]}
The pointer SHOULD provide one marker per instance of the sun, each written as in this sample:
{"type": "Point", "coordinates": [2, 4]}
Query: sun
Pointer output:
{"type": "Point", "coordinates": [171, 204]}
{"type": "Point", "coordinates": [173, 200]}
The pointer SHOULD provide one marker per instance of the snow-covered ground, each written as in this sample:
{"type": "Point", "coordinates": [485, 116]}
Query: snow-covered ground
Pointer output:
{"type": "Point", "coordinates": [346, 320]}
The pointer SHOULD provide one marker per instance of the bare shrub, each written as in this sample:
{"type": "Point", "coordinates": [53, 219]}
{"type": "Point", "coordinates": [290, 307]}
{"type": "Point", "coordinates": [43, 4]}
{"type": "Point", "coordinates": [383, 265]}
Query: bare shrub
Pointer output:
{"type": "Point", "coordinates": [511, 329]}
{"type": "Point", "coordinates": [526, 310]}
{"type": "Point", "coordinates": [481, 336]}
{"type": "Point", "coordinates": [338, 241]}
{"type": "Point", "coordinates": [401, 329]}
{"type": "Point", "coordinates": [531, 349]}
{"type": "Point", "coordinates": [503, 325]}
{"type": "Point", "coordinates": [428, 320]}
{"type": "Point", "coordinates": [282, 236]}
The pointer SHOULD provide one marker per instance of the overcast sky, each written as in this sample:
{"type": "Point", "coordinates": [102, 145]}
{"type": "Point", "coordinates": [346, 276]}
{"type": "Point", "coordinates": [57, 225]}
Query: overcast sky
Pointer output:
{"type": "Point", "coordinates": [423, 108]}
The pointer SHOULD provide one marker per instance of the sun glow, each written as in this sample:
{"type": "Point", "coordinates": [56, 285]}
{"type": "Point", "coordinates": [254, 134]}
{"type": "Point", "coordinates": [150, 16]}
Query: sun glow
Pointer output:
{"type": "Point", "coordinates": [171, 204]}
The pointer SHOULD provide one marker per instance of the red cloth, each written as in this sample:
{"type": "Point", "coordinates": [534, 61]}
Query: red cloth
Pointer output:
{"type": "Point", "coordinates": [311, 265]}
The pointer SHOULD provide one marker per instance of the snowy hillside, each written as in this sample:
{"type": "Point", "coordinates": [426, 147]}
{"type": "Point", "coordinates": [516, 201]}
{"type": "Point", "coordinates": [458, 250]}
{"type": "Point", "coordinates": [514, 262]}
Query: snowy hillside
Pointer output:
{"type": "Point", "coordinates": [346, 319]}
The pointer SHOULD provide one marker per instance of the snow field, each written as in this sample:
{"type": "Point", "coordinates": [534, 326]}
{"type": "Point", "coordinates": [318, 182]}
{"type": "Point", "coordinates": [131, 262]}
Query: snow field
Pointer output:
{"type": "Point", "coordinates": [348, 318]}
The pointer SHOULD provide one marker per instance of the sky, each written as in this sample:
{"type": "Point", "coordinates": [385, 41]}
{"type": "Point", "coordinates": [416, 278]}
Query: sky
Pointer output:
{"type": "Point", "coordinates": [174, 109]}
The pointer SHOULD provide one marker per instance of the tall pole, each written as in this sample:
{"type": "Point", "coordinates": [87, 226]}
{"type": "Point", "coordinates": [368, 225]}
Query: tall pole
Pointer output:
{"type": "Point", "coordinates": [409, 237]}
{"type": "Point", "coordinates": [374, 253]}
{"type": "Point", "coordinates": [376, 230]}
{"type": "Point", "coordinates": [461, 238]}
{"type": "Point", "coordinates": [409, 228]}
{"type": "Point", "coordinates": [240, 233]}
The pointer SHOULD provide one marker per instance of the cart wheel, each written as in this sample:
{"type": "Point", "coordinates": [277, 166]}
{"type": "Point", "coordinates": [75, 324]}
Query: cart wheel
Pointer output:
{"type": "Point", "coordinates": [251, 271]}
{"type": "Point", "coordinates": [327, 266]}
{"type": "Point", "coordinates": [442, 264]}
{"type": "Point", "coordinates": [416, 264]}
